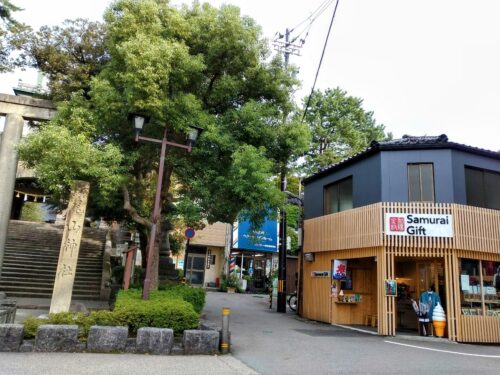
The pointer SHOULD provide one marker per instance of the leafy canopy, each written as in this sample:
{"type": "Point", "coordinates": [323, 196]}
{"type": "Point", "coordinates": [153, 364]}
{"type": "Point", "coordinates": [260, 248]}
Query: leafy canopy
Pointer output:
{"type": "Point", "coordinates": [193, 65]}
{"type": "Point", "coordinates": [340, 127]}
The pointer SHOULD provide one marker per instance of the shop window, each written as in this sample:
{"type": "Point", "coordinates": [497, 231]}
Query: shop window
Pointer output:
{"type": "Point", "coordinates": [480, 298]}
{"type": "Point", "coordinates": [481, 188]}
{"type": "Point", "coordinates": [338, 196]}
{"type": "Point", "coordinates": [421, 182]}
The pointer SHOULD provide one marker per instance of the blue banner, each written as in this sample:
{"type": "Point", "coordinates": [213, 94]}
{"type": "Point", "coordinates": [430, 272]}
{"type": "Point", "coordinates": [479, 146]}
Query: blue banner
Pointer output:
{"type": "Point", "coordinates": [264, 239]}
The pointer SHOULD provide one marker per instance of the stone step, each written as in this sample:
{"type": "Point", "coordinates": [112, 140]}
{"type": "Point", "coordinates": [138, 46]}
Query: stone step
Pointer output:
{"type": "Point", "coordinates": [84, 280]}
{"type": "Point", "coordinates": [44, 289]}
{"type": "Point", "coordinates": [32, 294]}
{"type": "Point", "coordinates": [93, 263]}
{"type": "Point", "coordinates": [4, 285]}
{"type": "Point", "coordinates": [31, 257]}
{"type": "Point", "coordinates": [45, 267]}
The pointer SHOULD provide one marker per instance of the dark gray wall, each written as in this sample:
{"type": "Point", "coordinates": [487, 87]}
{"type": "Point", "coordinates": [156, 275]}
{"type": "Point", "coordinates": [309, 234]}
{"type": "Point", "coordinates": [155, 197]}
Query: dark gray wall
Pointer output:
{"type": "Point", "coordinates": [383, 177]}
{"type": "Point", "coordinates": [460, 160]}
{"type": "Point", "coordinates": [395, 173]}
{"type": "Point", "coordinates": [366, 186]}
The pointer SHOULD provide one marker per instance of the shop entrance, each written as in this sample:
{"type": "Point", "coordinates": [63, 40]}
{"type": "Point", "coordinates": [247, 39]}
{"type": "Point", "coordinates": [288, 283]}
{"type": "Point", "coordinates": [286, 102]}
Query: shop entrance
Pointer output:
{"type": "Point", "coordinates": [195, 268]}
{"type": "Point", "coordinates": [415, 276]}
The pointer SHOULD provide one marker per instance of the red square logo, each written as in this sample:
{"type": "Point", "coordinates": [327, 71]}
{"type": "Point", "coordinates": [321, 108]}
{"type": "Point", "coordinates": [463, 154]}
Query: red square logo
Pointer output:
{"type": "Point", "coordinates": [397, 224]}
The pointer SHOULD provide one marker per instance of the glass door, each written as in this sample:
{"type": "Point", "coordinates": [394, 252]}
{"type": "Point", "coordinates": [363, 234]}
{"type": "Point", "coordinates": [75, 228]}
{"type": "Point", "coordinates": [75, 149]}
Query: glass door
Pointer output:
{"type": "Point", "coordinates": [195, 269]}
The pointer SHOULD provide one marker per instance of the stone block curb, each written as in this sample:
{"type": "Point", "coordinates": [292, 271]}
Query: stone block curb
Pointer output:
{"type": "Point", "coordinates": [56, 338]}
{"type": "Point", "coordinates": [197, 341]}
{"type": "Point", "coordinates": [106, 339]}
{"type": "Point", "coordinates": [11, 336]}
{"type": "Point", "coordinates": [155, 340]}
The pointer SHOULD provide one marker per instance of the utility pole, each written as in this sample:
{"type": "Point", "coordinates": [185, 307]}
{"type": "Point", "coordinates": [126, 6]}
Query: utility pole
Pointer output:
{"type": "Point", "coordinates": [287, 48]}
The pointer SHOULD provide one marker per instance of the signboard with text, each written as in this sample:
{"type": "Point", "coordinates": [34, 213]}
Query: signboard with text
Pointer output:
{"type": "Point", "coordinates": [264, 239]}
{"type": "Point", "coordinates": [419, 225]}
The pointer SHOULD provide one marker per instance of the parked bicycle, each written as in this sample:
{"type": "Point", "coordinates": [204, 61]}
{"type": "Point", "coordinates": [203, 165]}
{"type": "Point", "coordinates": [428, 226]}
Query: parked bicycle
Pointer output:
{"type": "Point", "coordinates": [293, 301]}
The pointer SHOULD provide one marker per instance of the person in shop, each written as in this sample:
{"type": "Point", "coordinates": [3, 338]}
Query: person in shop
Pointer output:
{"type": "Point", "coordinates": [431, 299]}
{"type": "Point", "coordinates": [496, 279]}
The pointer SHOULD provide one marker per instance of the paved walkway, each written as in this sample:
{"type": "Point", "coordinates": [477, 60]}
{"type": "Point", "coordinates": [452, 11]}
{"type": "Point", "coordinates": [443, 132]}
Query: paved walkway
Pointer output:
{"type": "Point", "coordinates": [118, 364]}
{"type": "Point", "coordinates": [277, 343]}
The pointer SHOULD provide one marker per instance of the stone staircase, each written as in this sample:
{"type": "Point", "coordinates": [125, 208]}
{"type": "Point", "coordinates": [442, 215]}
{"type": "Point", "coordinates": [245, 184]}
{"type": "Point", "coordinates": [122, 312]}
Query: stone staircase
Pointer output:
{"type": "Point", "coordinates": [31, 255]}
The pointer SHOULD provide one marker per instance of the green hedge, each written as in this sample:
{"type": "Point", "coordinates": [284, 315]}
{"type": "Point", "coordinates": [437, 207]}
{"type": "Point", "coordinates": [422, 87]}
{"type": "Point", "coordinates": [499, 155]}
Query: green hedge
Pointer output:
{"type": "Point", "coordinates": [176, 307]}
{"type": "Point", "coordinates": [195, 296]}
{"type": "Point", "coordinates": [84, 322]}
{"type": "Point", "coordinates": [163, 309]}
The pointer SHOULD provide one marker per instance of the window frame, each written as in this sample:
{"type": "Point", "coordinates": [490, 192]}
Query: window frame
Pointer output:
{"type": "Point", "coordinates": [420, 181]}
{"type": "Point", "coordinates": [485, 203]}
{"type": "Point", "coordinates": [326, 200]}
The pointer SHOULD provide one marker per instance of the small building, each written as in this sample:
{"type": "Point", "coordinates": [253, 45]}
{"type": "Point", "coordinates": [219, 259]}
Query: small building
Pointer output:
{"type": "Point", "coordinates": [204, 257]}
{"type": "Point", "coordinates": [403, 216]}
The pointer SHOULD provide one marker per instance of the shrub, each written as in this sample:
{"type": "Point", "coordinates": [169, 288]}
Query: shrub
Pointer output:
{"type": "Point", "coordinates": [176, 307]}
{"type": "Point", "coordinates": [31, 325]}
{"type": "Point", "coordinates": [195, 296]}
{"type": "Point", "coordinates": [162, 310]}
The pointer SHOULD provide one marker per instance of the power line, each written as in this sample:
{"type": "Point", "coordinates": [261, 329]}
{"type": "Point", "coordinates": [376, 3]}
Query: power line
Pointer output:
{"type": "Point", "coordinates": [320, 61]}
{"type": "Point", "coordinates": [305, 30]}
{"type": "Point", "coordinates": [320, 9]}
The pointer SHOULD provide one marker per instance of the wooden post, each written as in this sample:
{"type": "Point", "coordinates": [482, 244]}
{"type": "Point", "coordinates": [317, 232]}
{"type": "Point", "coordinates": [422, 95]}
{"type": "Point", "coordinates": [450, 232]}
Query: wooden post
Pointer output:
{"type": "Point", "coordinates": [129, 265]}
{"type": "Point", "coordinates": [70, 247]}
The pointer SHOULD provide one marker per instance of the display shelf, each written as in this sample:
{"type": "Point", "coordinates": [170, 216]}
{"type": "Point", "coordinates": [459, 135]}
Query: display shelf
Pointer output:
{"type": "Point", "coordinates": [346, 303]}
{"type": "Point", "coordinates": [486, 301]}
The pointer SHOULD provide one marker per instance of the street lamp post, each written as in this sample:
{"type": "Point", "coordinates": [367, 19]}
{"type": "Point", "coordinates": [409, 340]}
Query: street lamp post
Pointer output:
{"type": "Point", "coordinates": [139, 121]}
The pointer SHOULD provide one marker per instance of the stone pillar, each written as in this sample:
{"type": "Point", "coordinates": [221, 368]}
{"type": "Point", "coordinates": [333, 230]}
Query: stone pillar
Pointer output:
{"type": "Point", "coordinates": [8, 166]}
{"type": "Point", "coordinates": [70, 247]}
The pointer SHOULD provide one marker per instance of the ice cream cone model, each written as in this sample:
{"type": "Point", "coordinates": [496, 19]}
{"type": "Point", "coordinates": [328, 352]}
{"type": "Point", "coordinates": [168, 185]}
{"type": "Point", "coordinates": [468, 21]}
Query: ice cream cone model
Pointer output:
{"type": "Point", "coordinates": [439, 320]}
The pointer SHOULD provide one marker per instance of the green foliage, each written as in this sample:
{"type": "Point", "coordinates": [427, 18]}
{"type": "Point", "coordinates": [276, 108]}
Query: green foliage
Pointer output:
{"type": "Point", "coordinates": [69, 55]}
{"type": "Point", "coordinates": [32, 211]}
{"type": "Point", "coordinates": [194, 65]}
{"type": "Point", "coordinates": [163, 310]}
{"type": "Point", "coordinates": [340, 127]}
{"type": "Point", "coordinates": [195, 296]}
{"type": "Point", "coordinates": [229, 281]}
{"type": "Point", "coordinates": [10, 30]}
{"type": "Point", "coordinates": [176, 307]}
{"type": "Point", "coordinates": [83, 321]}
{"type": "Point", "coordinates": [31, 325]}
{"type": "Point", "coordinates": [52, 151]}
{"type": "Point", "coordinates": [294, 240]}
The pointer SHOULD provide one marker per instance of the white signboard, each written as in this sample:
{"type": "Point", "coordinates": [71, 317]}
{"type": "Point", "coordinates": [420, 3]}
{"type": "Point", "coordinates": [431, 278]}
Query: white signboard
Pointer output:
{"type": "Point", "coordinates": [420, 225]}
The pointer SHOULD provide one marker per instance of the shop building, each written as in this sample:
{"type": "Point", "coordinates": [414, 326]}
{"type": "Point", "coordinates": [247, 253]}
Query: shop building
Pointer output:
{"type": "Point", "coordinates": [221, 248]}
{"type": "Point", "coordinates": [405, 215]}
{"type": "Point", "coordinates": [204, 257]}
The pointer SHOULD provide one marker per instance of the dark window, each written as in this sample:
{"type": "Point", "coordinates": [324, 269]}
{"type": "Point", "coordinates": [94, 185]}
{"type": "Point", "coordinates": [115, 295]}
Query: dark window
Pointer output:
{"type": "Point", "coordinates": [338, 196]}
{"type": "Point", "coordinates": [421, 182]}
{"type": "Point", "coordinates": [482, 188]}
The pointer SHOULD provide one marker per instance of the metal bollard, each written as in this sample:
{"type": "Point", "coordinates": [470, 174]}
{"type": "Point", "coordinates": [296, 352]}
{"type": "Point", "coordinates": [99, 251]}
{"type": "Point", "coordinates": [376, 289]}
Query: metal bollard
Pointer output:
{"type": "Point", "coordinates": [225, 346]}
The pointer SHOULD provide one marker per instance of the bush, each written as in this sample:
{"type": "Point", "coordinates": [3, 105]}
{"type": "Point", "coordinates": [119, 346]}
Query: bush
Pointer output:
{"type": "Point", "coordinates": [231, 281]}
{"type": "Point", "coordinates": [195, 296]}
{"type": "Point", "coordinates": [176, 307]}
{"type": "Point", "coordinates": [162, 310]}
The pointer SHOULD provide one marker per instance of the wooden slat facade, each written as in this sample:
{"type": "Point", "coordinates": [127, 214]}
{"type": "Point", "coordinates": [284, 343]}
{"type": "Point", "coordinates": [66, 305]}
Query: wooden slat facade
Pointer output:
{"type": "Point", "coordinates": [359, 233]}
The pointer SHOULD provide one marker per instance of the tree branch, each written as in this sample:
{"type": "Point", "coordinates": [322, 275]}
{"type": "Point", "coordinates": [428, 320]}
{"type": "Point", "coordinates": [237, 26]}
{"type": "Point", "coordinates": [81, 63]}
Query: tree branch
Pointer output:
{"type": "Point", "coordinates": [132, 211]}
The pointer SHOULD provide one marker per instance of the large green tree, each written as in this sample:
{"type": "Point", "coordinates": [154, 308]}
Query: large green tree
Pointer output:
{"type": "Point", "coordinates": [9, 31]}
{"type": "Point", "coordinates": [194, 65]}
{"type": "Point", "coordinates": [340, 127]}
{"type": "Point", "coordinates": [69, 55]}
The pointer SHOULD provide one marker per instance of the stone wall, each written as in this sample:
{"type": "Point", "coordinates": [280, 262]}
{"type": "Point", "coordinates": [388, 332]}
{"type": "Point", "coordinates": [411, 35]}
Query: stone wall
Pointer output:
{"type": "Point", "coordinates": [105, 339]}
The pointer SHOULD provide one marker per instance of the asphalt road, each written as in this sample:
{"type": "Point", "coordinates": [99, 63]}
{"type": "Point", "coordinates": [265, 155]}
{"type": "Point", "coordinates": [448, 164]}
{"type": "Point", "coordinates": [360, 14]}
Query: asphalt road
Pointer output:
{"type": "Point", "coordinates": [276, 343]}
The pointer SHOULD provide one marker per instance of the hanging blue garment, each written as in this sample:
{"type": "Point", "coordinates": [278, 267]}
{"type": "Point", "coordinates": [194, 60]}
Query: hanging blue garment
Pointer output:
{"type": "Point", "coordinates": [431, 299]}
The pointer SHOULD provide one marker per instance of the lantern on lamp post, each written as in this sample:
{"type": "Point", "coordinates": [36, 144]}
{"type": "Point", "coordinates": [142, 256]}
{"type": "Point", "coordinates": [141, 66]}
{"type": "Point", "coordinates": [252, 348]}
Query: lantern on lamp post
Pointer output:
{"type": "Point", "coordinates": [139, 121]}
